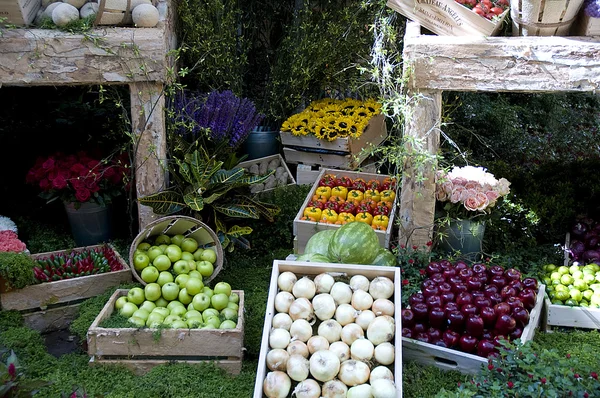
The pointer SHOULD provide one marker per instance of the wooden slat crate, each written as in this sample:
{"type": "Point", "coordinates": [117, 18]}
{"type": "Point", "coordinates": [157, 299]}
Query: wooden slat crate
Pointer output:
{"type": "Point", "coordinates": [267, 159]}
{"type": "Point", "coordinates": [312, 269]}
{"type": "Point", "coordinates": [19, 12]}
{"type": "Point", "coordinates": [303, 230]}
{"type": "Point", "coordinates": [586, 25]}
{"type": "Point", "coordinates": [139, 349]}
{"type": "Point", "coordinates": [447, 17]}
{"type": "Point", "coordinates": [449, 359]}
{"type": "Point", "coordinates": [53, 305]}
{"type": "Point", "coordinates": [547, 18]}
{"type": "Point", "coordinates": [342, 153]}
{"type": "Point", "coordinates": [576, 317]}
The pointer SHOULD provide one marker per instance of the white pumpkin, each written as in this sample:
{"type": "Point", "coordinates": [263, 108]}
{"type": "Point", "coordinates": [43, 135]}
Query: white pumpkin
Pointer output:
{"type": "Point", "coordinates": [145, 16]}
{"type": "Point", "coordinates": [48, 10]}
{"type": "Point", "coordinates": [64, 13]}
{"type": "Point", "coordinates": [75, 3]}
{"type": "Point", "coordinates": [88, 9]}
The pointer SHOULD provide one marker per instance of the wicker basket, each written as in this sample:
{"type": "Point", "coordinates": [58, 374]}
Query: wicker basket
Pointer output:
{"type": "Point", "coordinates": [186, 226]}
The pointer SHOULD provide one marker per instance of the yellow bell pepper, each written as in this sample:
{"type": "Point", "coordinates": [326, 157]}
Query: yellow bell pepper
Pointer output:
{"type": "Point", "coordinates": [388, 195]}
{"type": "Point", "coordinates": [381, 221]}
{"type": "Point", "coordinates": [364, 217]}
{"type": "Point", "coordinates": [372, 194]}
{"type": "Point", "coordinates": [329, 216]}
{"type": "Point", "coordinates": [324, 191]}
{"type": "Point", "coordinates": [313, 212]}
{"type": "Point", "coordinates": [355, 196]}
{"type": "Point", "coordinates": [347, 217]}
{"type": "Point", "coordinates": [340, 192]}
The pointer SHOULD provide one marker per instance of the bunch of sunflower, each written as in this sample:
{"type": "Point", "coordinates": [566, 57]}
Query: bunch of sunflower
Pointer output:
{"type": "Point", "coordinates": [329, 119]}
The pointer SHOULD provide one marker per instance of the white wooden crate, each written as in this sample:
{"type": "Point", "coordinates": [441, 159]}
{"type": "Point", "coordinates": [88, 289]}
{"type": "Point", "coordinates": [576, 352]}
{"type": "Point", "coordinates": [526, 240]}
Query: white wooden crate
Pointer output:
{"type": "Point", "coordinates": [576, 317]}
{"type": "Point", "coordinates": [449, 359]}
{"type": "Point", "coordinates": [249, 163]}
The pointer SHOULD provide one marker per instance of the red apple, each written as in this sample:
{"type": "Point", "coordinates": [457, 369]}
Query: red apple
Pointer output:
{"type": "Point", "coordinates": [481, 302]}
{"type": "Point", "coordinates": [459, 287]}
{"type": "Point", "coordinates": [513, 274]}
{"type": "Point", "coordinates": [406, 332]}
{"type": "Point", "coordinates": [433, 268]}
{"type": "Point", "coordinates": [419, 328]}
{"type": "Point", "coordinates": [514, 302]}
{"type": "Point", "coordinates": [474, 325]}
{"type": "Point", "coordinates": [467, 343]}
{"type": "Point", "coordinates": [408, 318]}
{"type": "Point", "coordinates": [436, 317]}
{"type": "Point", "coordinates": [498, 280]}
{"type": "Point", "coordinates": [433, 301]}
{"type": "Point", "coordinates": [488, 315]}
{"type": "Point", "coordinates": [505, 324]}
{"type": "Point", "coordinates": [416, 298]}
{"type": "Point", "coordinates": [479, 268]}
{"type": "Point", "coordinates": [434, 334]}
{"type": "Point", "coordinates": [531, 283]}
{"type": "Point", "coordinates": [485, 348]}
{"type": "Point", "coordinates": [464, 298]}
{"type": "Point", "coordinates": [469, 309]}
{"type": "Point", "coordinates": [528, 296]}
{"type": "Point", "coordinates": [521, 315]}
{"type": "Point", "coordinates": [496, 270]}
{"type": "Point", "coordinates": [420, 312]}
{"type": "Point", "coordinates": [456, 321]}
{"type": "Point", "coordinates": [507, 291]}
{"type": "Point", "coordinates": [465, 273]}
{"type": "Point", "coordinates": [450, 337]}
{"type": "Point", "coordinates": [502, 309]}
{"type": "Point", "coordinates": [424, 337]}
{"type": "Point", "coordinates": [474, 283]}
{"type": "Point", "coordinates": [460, 265]}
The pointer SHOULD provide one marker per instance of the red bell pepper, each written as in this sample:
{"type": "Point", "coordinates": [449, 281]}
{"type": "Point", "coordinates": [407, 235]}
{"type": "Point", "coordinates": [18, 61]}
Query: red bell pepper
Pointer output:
{"type": "Point", "coordinates": [359, 184]}
{"type": "Point", "coordinates": [344, 182]}
{"type": "Point", "coordinates": [331, 205]}
{"type": "Point", "coordinates": [381, 209]}
{"type": "Point", "coordinates": [347, 207]}
{"type": "Point", "coordinates": [328, 180]}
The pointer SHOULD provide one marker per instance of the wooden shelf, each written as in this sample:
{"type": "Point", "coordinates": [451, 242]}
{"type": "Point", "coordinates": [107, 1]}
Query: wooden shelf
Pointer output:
{"type": "Point", "coordinates": [489, 64]}
{"type": "Point", "coordinates": [137, 57]}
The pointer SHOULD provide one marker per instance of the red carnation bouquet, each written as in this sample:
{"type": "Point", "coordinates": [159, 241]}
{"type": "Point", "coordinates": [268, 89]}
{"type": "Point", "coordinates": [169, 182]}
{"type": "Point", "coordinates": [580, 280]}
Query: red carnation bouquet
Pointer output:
{"type": "Point", "coordinates": [79, 178]}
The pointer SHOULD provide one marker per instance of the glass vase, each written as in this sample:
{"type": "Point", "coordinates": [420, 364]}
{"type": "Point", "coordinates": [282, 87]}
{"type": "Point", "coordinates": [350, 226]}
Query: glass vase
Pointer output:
{"type": "Point", "coordinates": [465, 236]}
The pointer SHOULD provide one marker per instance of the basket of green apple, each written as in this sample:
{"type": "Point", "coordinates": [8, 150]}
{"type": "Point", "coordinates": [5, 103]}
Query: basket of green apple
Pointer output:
{"type": "Point", "coordinates": [172, 246]}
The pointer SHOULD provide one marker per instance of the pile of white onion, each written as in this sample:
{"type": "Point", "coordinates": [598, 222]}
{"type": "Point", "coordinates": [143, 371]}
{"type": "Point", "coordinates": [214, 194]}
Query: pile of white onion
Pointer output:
{"type": "Point", "coordinates": [331, 339]}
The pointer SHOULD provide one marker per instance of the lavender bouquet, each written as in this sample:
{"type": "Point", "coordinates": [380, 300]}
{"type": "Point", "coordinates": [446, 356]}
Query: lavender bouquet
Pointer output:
{"type": "Point", "coordinates": [226, 118]}
{"type": "Point", "coordinates": [592, 8]}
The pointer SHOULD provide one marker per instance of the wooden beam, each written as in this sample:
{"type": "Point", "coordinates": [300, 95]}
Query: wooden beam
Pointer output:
{"type": "Point", "coordinates": [46, 57]}
{"type": "Point", "coordinates": [501, 64]}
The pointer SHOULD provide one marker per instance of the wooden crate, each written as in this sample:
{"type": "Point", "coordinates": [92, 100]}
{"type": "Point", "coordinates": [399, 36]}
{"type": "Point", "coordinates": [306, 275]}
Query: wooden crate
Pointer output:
{"type": "Point", "coordinates": [447, 17]}
{"type": "Point", "coordinates": [303, 229]}
{"type": "Point", "coordinates": [19, 12]}
{"type": "Point", "coordinates": [449, 359]}
{"type": "Point", "coordinates": [576, 317]}
{"type": "Point", "coordinates": [249, 163]}
{"type": "Point", "coordinates": [342, 153]}
{"type": "Point", "coordinates": [53, 305]}
{"type": "Point", "coordinates": [140, 349]}
{"type": "Point", "coordinates": [312, 269]}
{"type": "Point", "coordinates": [548, 18]}
{"type": "Point", "coordinates": [586, 25]}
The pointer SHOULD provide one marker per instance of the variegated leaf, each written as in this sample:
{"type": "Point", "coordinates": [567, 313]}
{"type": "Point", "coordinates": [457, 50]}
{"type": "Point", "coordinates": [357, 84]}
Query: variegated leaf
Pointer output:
{"type": "Point", "coordinates": [194, 201]}
{"type": "Point", "coordinates": [237, 231]}
{"type": "Point", "coordinates": [250, 179]}
{"type": "Point", "coordinates": [238, 211]}
{"type": "Point", "coordinates": [164, 202]}
{"type": "Point", "coordinates": [227, 176]}
{"type": "Point", "coordinates": [203, 167]}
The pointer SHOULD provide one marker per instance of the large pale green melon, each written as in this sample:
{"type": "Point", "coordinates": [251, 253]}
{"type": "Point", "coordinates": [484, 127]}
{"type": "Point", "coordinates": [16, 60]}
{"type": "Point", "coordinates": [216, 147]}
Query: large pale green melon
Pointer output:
{"type": "Point", "coordinates": [354, 243]}
{"type": "Point", "coordinates": [313, 258]}
{"type": "Point", "coordinates": [385, 257]}
{"type": "Point", "coordinates": [319, 242]}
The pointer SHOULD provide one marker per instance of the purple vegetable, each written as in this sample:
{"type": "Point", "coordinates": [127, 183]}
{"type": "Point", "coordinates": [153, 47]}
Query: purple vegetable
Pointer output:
{"type": "Point", "coordinates": [592, 242]}
{"type": "Point", "coordinates": [579, 229]}
{"type": "Point", "coordinates": [577, 248]}
{"type": "Point", "coordinates": [591, 256]}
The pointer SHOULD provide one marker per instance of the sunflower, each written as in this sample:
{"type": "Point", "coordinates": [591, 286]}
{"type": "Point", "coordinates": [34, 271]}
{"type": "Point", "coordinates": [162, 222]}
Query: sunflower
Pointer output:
{"type": "Point", "coordinates": [330, 120]}
{"type": "Point", "coordinates": [331, 134]}
{"type": "Point", "coordinates": [360, 126]}
{"type": "Point", "coordinates": [348, 105]}
{"type": "Point", "coordinates": [343, 124]}
{"type": "Point", "coordinates": [373, 106]}
{"type": "Point", "coordinates": [297, 124]}
{"type": "Point", "coordinates": [320, 130]}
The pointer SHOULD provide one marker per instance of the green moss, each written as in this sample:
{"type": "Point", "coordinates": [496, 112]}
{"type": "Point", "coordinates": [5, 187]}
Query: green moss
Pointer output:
{"type": "Point", "coordinates": [16, 269]}
{"type": "Point", "coordinates": [10, 319]}
{"type": "Point", "coordinates": [29, 346]}
{"type": "Point", "coordinates": [583, 344]}
{"type": "Point", "coordinates": [420, 381]}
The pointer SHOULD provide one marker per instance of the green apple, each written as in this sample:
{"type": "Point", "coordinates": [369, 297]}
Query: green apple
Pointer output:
{"type": "Point", "coordinates": [587, 294]}
{"type": "Point", "coordinates": [165, 277]}
{"type": "Point", "coordinates": [192, 264]}
{"type": "Point", "coordinates": [227, 324]}
{"type": "Point", "coordinates": [136, 295]}
{"type": "Point", "coordinates": [574, 268]}
{"type": "Point", "coordinates": [137, 321]}
{"type": "Point", "coordinates": [557, 302]}
{"type": "Point", "coordinates": [120, 302]}
{"type": "Point", "coordinates": [163, 311]}
{"type": "Point", "coordinates": [201, 302]}
{"type": "Point", "coordinates": [163, 247]}
{"type": "Point", "coordinates": [589, 278]}
{"type": "Point", "coordinates": [223, 287]}
{"type": "Point", "coordinates": [577, 275]}
{"type": "Point", "coordinates": [155, 317]}
{"type": "Point", "coordinates": [190, 306]}
{"type": "Point", "coordinates": [141, 313]}
{"type": "Point", "coordinates": [162, 239]}
{"type": "Point", "coordinates": [214, 321]}
{"type": "Point", "coordinates": [233, 306]}
{"type": "Point", "coordinates": [161, 302]}
{"type": "Point", "coordinates": [219, 301]}
{"type": "Point", "coordinates": [174, 304]}
{"type": "Point", "coordinates": [198, 254]}
{"type": "Point", "coordinates": [580, 285]}
{"type": "Point", "coordinates": [173, 252]}
{"type": "Point", "coordinates": [180, 311]}
{"type": "Point", "coordinates": [152, 292]}
{"type": "Point", "coordinates": [547, 281]}
{"type": "Point", "coordinates": [153, 252]}
{"type": "Point", "coordinates": [205, 268]}
{"type": "Point", "coordinates": [144, 246]}
{"type": "Point", "coordinates": [195, 274]}
{"type": "Point", "coordinates": [181, 280]}
{"type": "Point", "coordinates": [150, 274]}
{"type": "Point", "coordinates": [180, 324]}
{"type": "Point", "coordinates": [562, 295]}
{"type": "Point", "coordinates": [555, 275]}
{"type": "Point", "coordinates": [594, 301]}
{"type": "Point", "coordinates": [140, 261]}
{"type": "Point", "coordinates": [128, 309]}
{"type": "Point", "coordinates": [170, 291]}
{"type": "Point", "coordinates": [595, 267]}
{"type": "Point", "coordinates": [189, 245]}
{"type": "Point", "coordinates": [563, 270]}
{"type": "Point", "coordinates": [208, 291]}
{"type": "Point", "coordinates": [195, 322]}
{"type": "Point", "coordinates": [560, 287]}
{"type": "Point", "coordinates": [576, 294]}
{"type": "Point", "coordinates": [170, 319]}
{"type": "Point", "coordinates": [571, 302]}
{"type": "Point", "coordinates": [549, 267]}
{"type": "Point", "coordinates": [234, 298]}
{"type": "Point", "coordinates": [191, 314]}
{"type": "Point", "coordinates": [184, 297]}
{"type": "Point", "coordinates": [207, 313]}
{"type": "Point", "coordinates": [194, 286]}
{"type": "Point", "coordinates": [566, 279]}
{"type": "Point", "coordinates": [147, 305]}
{"type": "Point", "coordinates": [177, 239]}
{"type": "Point", "coordinates": [229, 313]}
{"type": "Point", "coordinates": [209, 255]}
{"type": "Point", "coordinates": [187, 256]}
{"type": "Point", "coordinates": [162, 262]}
{"type": "Point", "coordinates": [181, 267]}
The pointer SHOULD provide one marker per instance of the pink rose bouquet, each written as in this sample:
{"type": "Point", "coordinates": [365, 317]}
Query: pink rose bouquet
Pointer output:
{"type": "Point", "coordinates": [9, 240]}
{"type": "Point", "coordinates": [469, 191]}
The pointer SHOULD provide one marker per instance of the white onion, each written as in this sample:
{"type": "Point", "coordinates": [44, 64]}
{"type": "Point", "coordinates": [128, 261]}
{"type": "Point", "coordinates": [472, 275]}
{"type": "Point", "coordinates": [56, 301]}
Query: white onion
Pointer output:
{"type": "Point", "coordinates": [283, 300]}
{"type": "Point", "coordinates": [323, 306]}
{"type": "Point", "coordinates": [345, 314]}
{"type": "Point", "coordinates": [317, 343]}
{"type": "Point", "coordinates": [282, 320]}
{"type": "Point", "coordinates": [297, 367]}
{"type": "Point", "coordinates": [381, 287]}
{"type": "Point", "coordinates": [301, 330]}
{"type": "Point", "coordinates": [351, 332]}
{"type": "Point", "coordinates": [341, 349]}
{"type": "Point", "coordinates": [353, 373]}
{"type": "Point", "coordinates": [359, 282]}
{"type": "Point", "coordinates": [304, 287]}
{"type": "Point", "coordinates": [381, 329]}
{"type": "Point", "coordinates": [341, 293]}
{"type": "Point", "coordinates": [298, 347]}
{"type": "Point", "coordinates": [383, 388]}
{"type": "Point", "coordinates": [277, 385]}
{"type": "Point", "coordinates": [301, 308]}
{"type": "Point", "coordinates": [334, 389]}
{"type": "Point", "coordinates": [361, 300]}
{"type": "Point", "coordinates": [307, 389]}
{"type": "Point", "coordinates": [279, 338]}
{"type": "Point", "coordinates": [381, 372]}
{"type": "Point", "coordinates": [277, 359]}
{"type": "Point", "coordinates": [362, 350]}
{"type": "Point", "coordinates": [360, 391]}
{"type": "Point", "coordinates": [383, 307]}
{"type": "Point", "coordinates": [331, 330]}
{"type": "Point", "coordinates": [286, 280]}
{"type": "Point", "coordinates": [324, 365]}
{"type": "Point", "coordinates": [384, 353]}
{"type": "Point", "coordinates": [364, 318]}
{"type": "Point", "coordinates": [323, 282]}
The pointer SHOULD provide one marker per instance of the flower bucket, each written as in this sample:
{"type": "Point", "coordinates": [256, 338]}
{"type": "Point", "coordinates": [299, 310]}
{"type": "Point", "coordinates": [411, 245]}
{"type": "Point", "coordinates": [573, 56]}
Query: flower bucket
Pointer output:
{"type": "Point", "coordinates": [261, 142]}
{"type": "Point", "coordinates": [90, 224]}
{"type": "Point", "coordinates": [543, 18]}
{"type": "Point", "coordinates": [465, 236]}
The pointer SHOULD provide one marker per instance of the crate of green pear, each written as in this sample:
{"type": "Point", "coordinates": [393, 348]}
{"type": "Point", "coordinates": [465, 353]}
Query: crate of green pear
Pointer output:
{"type": "Point", "coordinates": [210, 327]}
{"type": "Point", "coordinates": [175, 245]}
{"type": "Point", "coordinates": [573, 298]}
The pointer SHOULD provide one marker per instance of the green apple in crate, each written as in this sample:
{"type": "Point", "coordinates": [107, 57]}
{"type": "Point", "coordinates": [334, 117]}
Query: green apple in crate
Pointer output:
{"type": "Point", "coordinates": [573, 286]}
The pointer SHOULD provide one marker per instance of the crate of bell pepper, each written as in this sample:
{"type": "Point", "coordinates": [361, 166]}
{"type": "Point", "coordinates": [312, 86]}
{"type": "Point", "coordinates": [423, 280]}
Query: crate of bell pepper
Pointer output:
{"type": "Point", "coordinates": [63, 279]}
{"type": "Point", "coordinates": [339, 196]}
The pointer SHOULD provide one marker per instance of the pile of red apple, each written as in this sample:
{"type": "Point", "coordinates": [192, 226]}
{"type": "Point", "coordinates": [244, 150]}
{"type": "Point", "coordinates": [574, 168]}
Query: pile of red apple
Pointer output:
{"type": "Point", "coordinates": [486, 8]}
{"type": "Point", "coordinates": [469, 308]}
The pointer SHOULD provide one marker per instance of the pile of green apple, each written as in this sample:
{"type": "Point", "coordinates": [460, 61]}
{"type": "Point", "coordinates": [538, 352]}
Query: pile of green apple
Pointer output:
{"type": "Point", "coordinates": [183, 303]}
{"type": "Point", "coordinates": [575, 285]}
